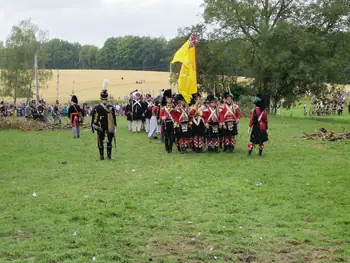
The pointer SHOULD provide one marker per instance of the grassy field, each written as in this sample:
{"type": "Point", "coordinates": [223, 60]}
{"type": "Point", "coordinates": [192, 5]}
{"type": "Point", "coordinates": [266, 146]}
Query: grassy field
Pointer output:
{"type": "Point", "coordinates": [291, 205]}
{"type": "Point", "coordinates": [88, 83]}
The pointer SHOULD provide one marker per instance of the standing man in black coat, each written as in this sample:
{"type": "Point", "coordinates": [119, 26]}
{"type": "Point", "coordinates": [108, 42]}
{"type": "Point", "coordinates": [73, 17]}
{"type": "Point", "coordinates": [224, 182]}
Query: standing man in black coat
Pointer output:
{"type": "Point", "coordinates": [137, 112]}
{"type": "Point", "coordinates": [104, 122]}
{"type": "Point", "coordinates": [128, 113]}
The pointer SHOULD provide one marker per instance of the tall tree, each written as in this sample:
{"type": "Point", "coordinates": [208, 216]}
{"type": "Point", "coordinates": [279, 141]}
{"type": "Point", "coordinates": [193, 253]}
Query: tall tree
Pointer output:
{"type": "Point", "coordinates": [286, 41]}
{"type": "Point", "coordinates": [88, 56]}
{"type": "Point", "coordinates": [62, 54]}
{"type": "Point", "coordinates": [107, 55]}
{"type": "Point", "coordinates": [17, 75]}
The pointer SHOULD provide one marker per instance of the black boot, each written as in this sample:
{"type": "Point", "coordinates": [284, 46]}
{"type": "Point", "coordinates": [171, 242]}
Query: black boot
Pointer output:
{"type": "Point", "coordinates": [178, 148]}
{"type": "Point", "coordinates": [171, 146]}
{"type": "Point", "coordinates": [216, 150]}
{"type": "Point", "coordinates": [109, 152]}
{"type": "Point", "coordinates": [102, 156]}
{"type": "Point", "coordinates": [249, 152]}
{"type": "Point", "coordinates": [166, 143]}
{"type": "Point", "coordinates": [232, 148]}
{"type": "Point", "coordinates": [260, 152]}
{"type": "Point", "coordinates": [225, 148]}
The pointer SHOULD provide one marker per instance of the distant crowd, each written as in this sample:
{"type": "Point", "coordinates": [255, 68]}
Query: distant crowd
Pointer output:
{"type": "Point", "coordinates": [45, 111]}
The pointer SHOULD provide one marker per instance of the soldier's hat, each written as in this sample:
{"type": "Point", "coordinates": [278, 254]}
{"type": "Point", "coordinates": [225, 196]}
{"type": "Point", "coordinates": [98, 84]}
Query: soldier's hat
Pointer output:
{"type": "Point", "coordinates": [166, 94]}
{"type": "Point", "coordinates": [74, 99]}
{"type": "Point", "coordinates": [228, 94]}
{"type": "Point", "coordinates": [259, 101]}
{"type": "Point", "coordinates": [104, 92]}
{"type": "Point", "coordinates": [179, 98]}
{"type": "Point", "coordinates": [196, 95]}
{"type": "Point", "coordinates": [211, 98]}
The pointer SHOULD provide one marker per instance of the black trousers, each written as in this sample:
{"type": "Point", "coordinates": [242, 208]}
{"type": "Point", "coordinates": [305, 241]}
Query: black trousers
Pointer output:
{"type": "Point", "coordinates": [101, 137]}
{"type": "Point", "coordinates": [169, 136]}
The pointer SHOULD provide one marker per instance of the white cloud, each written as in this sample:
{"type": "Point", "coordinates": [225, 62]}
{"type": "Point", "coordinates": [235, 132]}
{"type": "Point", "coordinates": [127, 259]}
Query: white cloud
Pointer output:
{"type": "Point", "coordinates": [93, 21]}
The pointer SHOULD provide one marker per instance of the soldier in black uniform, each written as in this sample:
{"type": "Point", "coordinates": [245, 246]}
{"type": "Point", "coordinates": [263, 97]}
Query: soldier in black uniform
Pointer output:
{"type": "Point", "coordinates": [137, 113]}
{"type": "Point", "coordinates": [2, 109]}
{"type": "Point", "coordinates": [56, 112]}
{"type": "Point", "coordinates": [104, 122]}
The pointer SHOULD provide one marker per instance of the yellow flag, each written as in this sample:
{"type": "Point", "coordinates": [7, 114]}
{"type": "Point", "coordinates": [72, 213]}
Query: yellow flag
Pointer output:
{"type": "Point", "coordinates": [187, 81]}
{"type": "Point", "coordinates": [182, 54]}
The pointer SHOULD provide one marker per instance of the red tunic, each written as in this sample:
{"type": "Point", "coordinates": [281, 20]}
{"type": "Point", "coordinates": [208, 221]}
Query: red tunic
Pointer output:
{"type": "Point", "coordinates": [168, 113]}
{"type": "Point", "coordinates": [155, 110]}
{"type": "Point", "coordinates": [211, 115]}
{"type": "Point", "coordinates": [230, 113]}
{"type": "Point", "coordinates": [262, 116]}
{"type": "Point", "coordinates": [196, 114]}
{"type": "Point", "coordinates": [182, 114]}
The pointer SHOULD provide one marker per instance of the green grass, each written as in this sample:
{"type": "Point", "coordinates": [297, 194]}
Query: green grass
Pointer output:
{"type": "Point", "coordinates": [175, 208]}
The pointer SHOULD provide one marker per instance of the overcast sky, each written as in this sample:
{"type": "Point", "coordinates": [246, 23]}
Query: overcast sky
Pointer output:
{"type": "Point", "coordinates": [93, 21]}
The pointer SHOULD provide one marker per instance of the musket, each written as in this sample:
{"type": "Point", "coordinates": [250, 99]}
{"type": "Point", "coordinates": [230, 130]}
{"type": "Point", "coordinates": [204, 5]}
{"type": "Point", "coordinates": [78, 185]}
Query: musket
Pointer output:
{"type": "Point", "coordinates": [115, 142]}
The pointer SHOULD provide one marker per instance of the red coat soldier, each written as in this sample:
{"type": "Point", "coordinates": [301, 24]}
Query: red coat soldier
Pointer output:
{"type": "Point", "coordinates": [168, 115]}
{"type": "Point", "coordinates": [198, 126]}
{"type": "Point", "coordinates": [212, 122]}
{"type": "Point", "coordinates": [258, 126]}
{"type": "Point", "coordinates": [182, 124]}
{"type": "Point", "coordinates": [229, 118]}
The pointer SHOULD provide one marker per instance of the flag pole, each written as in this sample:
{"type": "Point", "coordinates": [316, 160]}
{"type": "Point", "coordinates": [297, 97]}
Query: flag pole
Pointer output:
{"type": "Point", "coordinates": [170, 71]}
{"type": "Point", "coordinates": [195, 56]}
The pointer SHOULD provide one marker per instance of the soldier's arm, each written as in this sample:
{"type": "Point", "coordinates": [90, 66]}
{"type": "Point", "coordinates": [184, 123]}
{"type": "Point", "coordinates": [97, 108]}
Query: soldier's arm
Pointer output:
{"type": "Point", "coordinates": [93, 119]}
{"type": "Point", "coordinates": [69, 113]}
{"type": "Point", "coordinates": [238, 114]}
{"type": "Point", "coordinates": [222, 114]}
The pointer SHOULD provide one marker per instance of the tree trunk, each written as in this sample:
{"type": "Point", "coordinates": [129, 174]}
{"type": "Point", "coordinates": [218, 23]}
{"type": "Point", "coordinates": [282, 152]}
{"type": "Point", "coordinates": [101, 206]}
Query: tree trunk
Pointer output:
{"type": "Point", "coordinates": [14, 97]}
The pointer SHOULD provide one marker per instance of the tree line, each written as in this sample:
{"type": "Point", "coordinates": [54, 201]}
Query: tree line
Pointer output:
{"type": "Point", "coordinates": [290, 48]}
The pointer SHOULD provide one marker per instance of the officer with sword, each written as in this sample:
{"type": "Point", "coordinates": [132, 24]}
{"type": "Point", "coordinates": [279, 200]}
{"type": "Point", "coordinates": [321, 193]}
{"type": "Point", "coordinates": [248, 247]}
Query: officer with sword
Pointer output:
{"type": "Point", "coordinates": [104, 122]}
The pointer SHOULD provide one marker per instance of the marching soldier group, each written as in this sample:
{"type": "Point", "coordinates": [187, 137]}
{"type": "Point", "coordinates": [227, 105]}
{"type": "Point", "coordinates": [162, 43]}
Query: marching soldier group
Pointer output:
{"type": "Point", "coordinates": [196, 125]}
{"type": "Point", "coordinates": [213, 125]}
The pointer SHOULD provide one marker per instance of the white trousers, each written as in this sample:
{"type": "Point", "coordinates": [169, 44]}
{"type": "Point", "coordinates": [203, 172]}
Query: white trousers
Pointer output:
{"type": "Point", "coordinates": [147, 124]}
{"type": "Point", "coordinates": [153, 127]}
{"type": "Point", "coordinates": [136, 125]}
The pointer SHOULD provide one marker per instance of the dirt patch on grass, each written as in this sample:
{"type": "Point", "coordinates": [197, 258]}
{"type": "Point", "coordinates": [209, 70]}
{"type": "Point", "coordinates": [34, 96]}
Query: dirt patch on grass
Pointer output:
{"type": "Point", "coordinates": [299, 251]}
{"type": "Point", "coordinates": [308, 230]}
{"type": "Point", "coordinates": [318, 146]}
{"type": "Point", "coordinates": [175, 246]}
{"type": "Point", "coordinates": [282, 251]}
{"type": "Point", "coordinates": [19, 235]}
{"type": "Point", "coordinates": [336, 241]}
